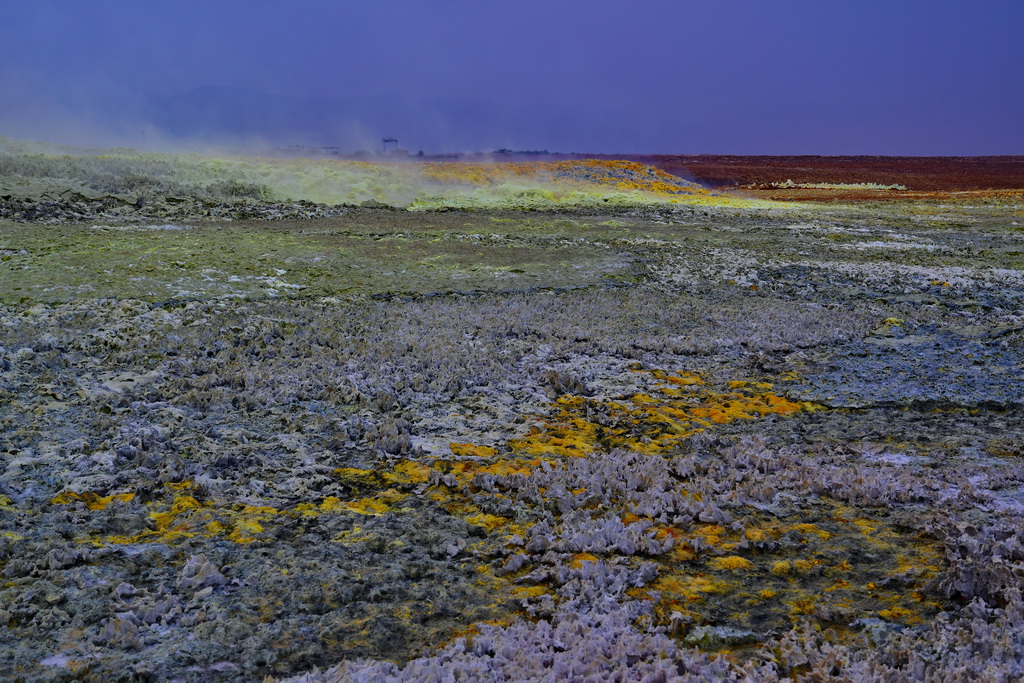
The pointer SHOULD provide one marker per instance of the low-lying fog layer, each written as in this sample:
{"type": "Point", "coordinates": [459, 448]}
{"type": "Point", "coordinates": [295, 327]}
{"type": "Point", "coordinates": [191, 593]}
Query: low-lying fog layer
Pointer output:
{"type": "Point", "coordinates": [134, 178]}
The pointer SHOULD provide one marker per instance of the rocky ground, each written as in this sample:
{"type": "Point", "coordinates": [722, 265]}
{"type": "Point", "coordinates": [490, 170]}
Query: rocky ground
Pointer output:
{"type": "Point", "coordinates": [657, 443]}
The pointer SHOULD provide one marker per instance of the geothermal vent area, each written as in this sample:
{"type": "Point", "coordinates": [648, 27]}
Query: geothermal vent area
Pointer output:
{"type": "Point", "coordinates": [315, 420]}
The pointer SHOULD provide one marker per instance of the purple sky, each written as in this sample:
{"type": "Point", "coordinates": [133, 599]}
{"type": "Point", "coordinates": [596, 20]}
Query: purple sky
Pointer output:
{"type": "Point", "coordinates": [742, 77]}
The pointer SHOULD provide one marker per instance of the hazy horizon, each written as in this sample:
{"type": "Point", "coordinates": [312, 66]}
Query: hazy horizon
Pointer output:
{"type": "Point", "coordinates": [927, 79]}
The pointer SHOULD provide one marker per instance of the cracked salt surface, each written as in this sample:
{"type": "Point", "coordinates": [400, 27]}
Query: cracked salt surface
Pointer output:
{"type": "Point", "coordinates": [935, 365]}
{"type": "Point", "coordinates": [166, 226]}
{"type": "Point", "coordinates": [879, 244]}
{"type": "Point", "coordinates": [303, 452]}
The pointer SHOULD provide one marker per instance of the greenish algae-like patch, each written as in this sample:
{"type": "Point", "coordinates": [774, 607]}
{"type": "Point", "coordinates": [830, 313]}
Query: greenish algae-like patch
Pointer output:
{"type": "Point", "coordinates": [258, 261]}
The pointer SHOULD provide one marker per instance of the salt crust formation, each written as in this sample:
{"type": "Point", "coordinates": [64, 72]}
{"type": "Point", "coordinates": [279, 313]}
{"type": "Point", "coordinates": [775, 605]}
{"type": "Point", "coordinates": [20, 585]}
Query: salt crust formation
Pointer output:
{"type": "Point", "coordinates": [771, 455]}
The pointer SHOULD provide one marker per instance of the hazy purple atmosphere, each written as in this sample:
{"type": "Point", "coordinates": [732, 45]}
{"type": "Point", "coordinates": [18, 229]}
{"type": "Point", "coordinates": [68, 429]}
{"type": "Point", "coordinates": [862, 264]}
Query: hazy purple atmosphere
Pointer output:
{"type": "Point", "coordinates": [742, 77]}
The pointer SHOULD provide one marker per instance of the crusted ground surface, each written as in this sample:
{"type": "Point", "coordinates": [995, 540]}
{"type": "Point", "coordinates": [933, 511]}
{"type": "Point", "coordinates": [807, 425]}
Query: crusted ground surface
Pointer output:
{"type": "Point", "coordinates": [669, 442]}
